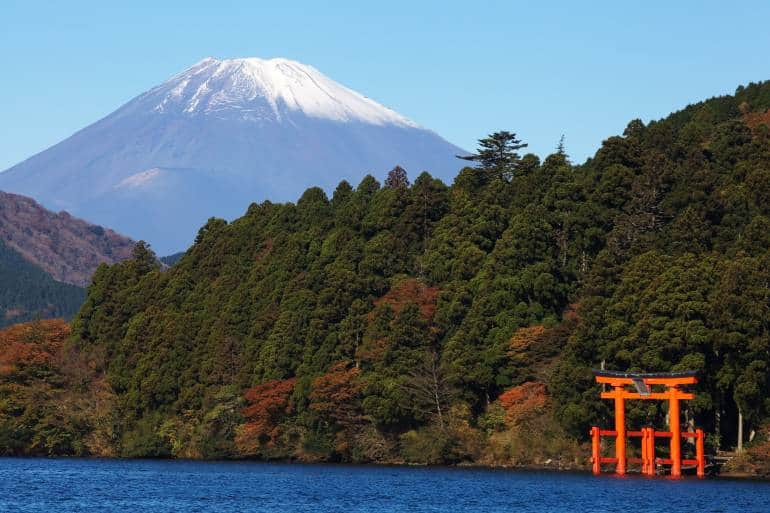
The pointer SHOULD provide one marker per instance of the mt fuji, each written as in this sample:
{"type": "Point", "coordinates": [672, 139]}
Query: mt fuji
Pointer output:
{"type": "Point", "coordinates": [216, 137]}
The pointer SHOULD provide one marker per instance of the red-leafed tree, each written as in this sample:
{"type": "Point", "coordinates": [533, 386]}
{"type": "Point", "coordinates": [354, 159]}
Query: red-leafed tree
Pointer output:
{"type": "Point", "coordinates": [336, 398]}
{"type": "Point", "coordinates": [408, 291]}
{"type": "Point", "coordinates": [268, 403]}
{"type": "Point", "coordinates": [335, 395]}
{"type": "Point", "coordinates": [389, 309]}
{"type": "Point", "coordinates": [524, 402]}
{"type": "Point", "coordinates": [31, 345]}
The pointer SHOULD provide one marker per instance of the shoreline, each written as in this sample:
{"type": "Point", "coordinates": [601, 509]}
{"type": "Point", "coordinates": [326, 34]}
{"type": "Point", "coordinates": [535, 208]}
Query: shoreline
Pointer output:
{"type": "Point", "coordinates": [533, 468]}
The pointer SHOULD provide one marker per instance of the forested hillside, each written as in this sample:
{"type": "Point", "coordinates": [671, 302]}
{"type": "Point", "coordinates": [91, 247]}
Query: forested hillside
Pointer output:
{"type": "Point", "coordinates": [430, 323]}
{"type": "Point", "coordinates": [26, 291]}
{"type": "Point", "coordinates": [67, 248]}
{"type": "Point", "coordinates": [47, 258]}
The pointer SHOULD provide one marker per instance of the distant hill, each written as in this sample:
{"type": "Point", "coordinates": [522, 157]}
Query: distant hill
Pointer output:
{"type": "Point", "coordinates": [67, 248]}
{"type": "Point", "coordinates": [170, 260]}
{"type": "Point", "coordinates": [27, 292]}
{"type": "Point", "coordinates": [216, 137]}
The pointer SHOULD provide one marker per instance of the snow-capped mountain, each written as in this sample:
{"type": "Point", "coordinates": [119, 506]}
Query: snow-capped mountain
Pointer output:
{"type": "Point", "coordinates": [266, 90]}
{"type": "Point", "coordinates": [214, 138]}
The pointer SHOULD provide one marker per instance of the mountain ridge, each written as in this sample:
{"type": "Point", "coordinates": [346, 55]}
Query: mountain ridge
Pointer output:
{"type": "Point", "coordinates": [155, 172]}
{"type": "Point", "coordinates": [67, 248]}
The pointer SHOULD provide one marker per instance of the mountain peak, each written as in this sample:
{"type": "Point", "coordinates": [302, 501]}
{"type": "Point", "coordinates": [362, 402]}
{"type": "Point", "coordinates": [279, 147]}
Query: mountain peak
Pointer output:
{"type": "Point", "coordinates": [255, 89]}
{"type": "Point", "coordinates": [216, 137]}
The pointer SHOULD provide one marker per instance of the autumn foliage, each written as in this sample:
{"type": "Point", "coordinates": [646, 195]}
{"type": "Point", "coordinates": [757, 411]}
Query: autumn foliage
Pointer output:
{"type": "Point", "coordinates": [52, 400]}
{"type": "Point", "coordinates": [268, 403]}
{"type": "Point", "coordinates": [31, 344]}
{"type": "Point", "coordinates": [524, 402]}
{"type": "Point", "coordinates": [411, 291]}
{"type": "Point", "coordinates": [409, 297]}
{"type": "Point", "coordinates": [754, 119]}
{"type": "Point", "coordinates": [335, 394]}
{"type": "Point", "coordinates": [336, 398]}
{"type": "Point", "coordinates": [76, 250]}
{"type": "Point", "coordinates": [523, 338]}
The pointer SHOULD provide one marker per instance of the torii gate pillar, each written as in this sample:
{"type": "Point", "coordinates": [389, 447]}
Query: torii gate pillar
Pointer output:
{"type": "Point", "coordinates": [674, 425]}
{"type": "Point", "coordinates": [620, 430]}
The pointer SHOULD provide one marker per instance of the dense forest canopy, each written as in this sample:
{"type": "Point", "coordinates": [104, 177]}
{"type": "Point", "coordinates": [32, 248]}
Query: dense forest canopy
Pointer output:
{"type": "Point", "coordinates": [29, 292]}
{"type": "Point", "coordinates": [416, 321]}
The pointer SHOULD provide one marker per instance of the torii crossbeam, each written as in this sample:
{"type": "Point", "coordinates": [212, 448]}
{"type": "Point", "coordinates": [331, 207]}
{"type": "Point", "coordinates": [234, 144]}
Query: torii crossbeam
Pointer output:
{"type": "Point", "coordinates": [643, 383]}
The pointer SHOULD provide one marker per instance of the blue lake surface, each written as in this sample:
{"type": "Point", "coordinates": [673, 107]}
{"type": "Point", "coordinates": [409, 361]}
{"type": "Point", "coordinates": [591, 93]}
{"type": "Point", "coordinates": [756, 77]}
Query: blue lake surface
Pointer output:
{"type": "Point", "coordinates": [68, 485]}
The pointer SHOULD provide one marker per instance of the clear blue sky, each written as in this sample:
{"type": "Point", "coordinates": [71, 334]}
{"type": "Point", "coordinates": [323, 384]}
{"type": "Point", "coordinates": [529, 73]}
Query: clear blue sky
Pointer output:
{"type": "Point", "coordinates": [462, 69]}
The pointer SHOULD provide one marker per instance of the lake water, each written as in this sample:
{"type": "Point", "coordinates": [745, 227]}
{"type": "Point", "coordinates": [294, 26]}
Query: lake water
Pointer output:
{"type": "Point", "coordinates": [69, 485]}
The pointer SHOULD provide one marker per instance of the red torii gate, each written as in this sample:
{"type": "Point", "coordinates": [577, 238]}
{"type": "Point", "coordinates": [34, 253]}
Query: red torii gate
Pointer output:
{"type": "Point", "coordinates": [642, 382]}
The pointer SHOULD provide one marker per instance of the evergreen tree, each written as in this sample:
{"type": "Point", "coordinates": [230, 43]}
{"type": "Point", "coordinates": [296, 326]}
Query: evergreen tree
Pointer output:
{"type": "Point", "coordinates": [498, 154]}
{"type": "Point", "coordinates": [650, 256]}
{"type": "Point", "coordinates": [397, 178]}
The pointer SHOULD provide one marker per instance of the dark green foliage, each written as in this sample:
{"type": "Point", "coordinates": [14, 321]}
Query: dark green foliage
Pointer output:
{"type": "Point", "coordinates": [653, 255]}
{"type": "Point", "coordinates": [497, 153]}
{"type": "Point", "coordinates": [27, 292]}
{"type": "Point", "coordinates": [683, 280]}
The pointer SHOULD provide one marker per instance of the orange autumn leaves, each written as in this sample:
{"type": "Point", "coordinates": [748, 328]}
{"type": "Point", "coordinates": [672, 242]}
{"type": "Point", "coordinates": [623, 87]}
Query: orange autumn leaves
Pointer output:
{"type": "Point", "coordinates": [754, 119]}
{"type": "Point", "coordinates": [31, 344]}
{"type": "Point", "coordinates": [411, 291]}
{"type": "Point", "coordinates": [52, 400]}
{"type": "Point", "coordinates": [334, 396]}
{"type": "Point", "coordinates": [524, 402]}
{"type": "Point", "coordinates": [268, 403]}
{"type": "Point", "coordinates": [523, 338]}
{"type": "Point", "coordinates": [528, 400]}
{"type": "Point", "coordinates": [336, 399]}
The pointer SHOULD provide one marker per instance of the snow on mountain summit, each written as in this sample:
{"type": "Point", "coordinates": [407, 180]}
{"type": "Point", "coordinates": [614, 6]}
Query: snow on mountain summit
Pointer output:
{"type": "Point", "coordinates": [266, 89]}
{"type": "Point", "coordinates": [213, 139]}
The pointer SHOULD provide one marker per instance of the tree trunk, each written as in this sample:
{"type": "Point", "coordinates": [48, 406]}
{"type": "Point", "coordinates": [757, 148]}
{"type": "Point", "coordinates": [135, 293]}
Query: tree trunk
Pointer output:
{"type": "Point", "coordinates": [436, 394]}
{"type": "Point", "coordinates": [740, 430]}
